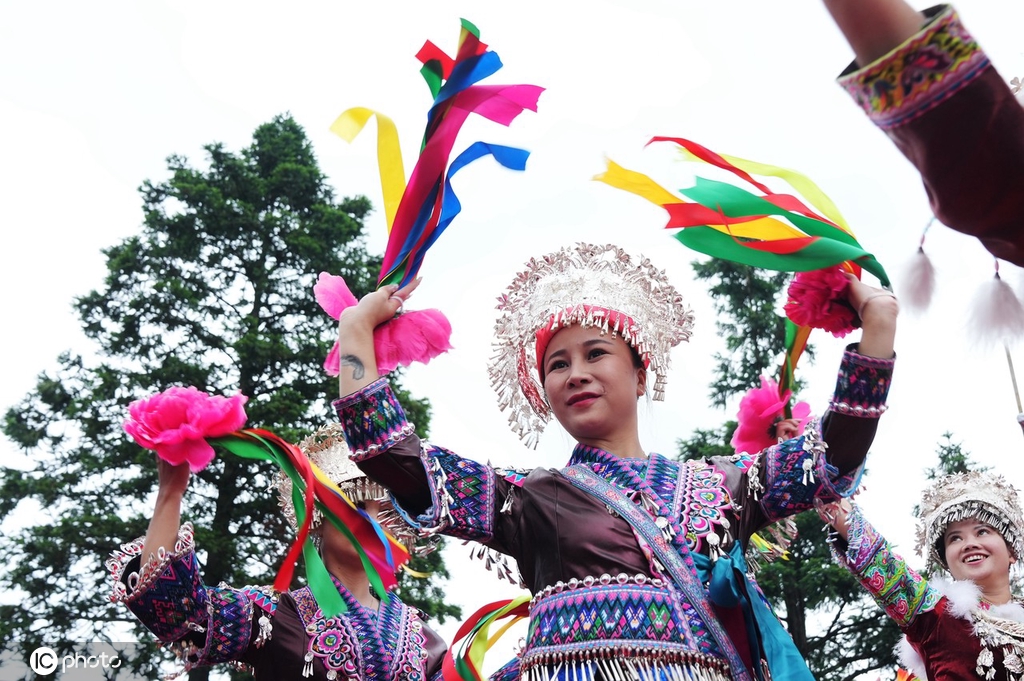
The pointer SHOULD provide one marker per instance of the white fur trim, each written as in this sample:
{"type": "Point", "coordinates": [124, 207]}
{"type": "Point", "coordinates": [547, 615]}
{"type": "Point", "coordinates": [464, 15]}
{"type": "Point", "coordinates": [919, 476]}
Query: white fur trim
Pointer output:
{"type": "Point", "coordinates": [1008, 611]}
{"type": "Point", "coordinates": [909, 658]}
{"type": "Point", "coordinates": [963, 595]}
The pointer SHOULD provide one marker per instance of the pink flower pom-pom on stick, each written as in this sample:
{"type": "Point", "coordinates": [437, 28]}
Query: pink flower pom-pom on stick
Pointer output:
{"type": "Point", "coordinates": [333, 294]}
{"type": "Point", "coordinates": [760, 410]}
{"type": "Point", "coordinates": [817, 299]}
{"type": "Point", "coordinates": [176, 423]}
{"type": "Point", "coordinates": [417, 336]}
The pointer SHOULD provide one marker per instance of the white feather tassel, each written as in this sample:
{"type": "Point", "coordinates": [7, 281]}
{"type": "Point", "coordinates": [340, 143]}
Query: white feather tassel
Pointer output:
{"type": "Point", "coordinates": [996, 315]}
{"type": "Point", "coordinates": [918, 283]}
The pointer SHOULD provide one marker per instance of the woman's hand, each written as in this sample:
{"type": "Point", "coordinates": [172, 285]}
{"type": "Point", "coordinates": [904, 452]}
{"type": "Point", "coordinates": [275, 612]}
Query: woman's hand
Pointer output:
{"type": "Point", "coordinates": [356, 355]}
{"type": "Point", "coordinates": [376, 308]}
{"type": "Point", "coordinates": [836, 514]}
{"type": "Point", "coordinates": [877, 309]}
{"type": "Point", "coordinates": [787, 429]}
{"type": "Point", "coordinates": [173, 480]}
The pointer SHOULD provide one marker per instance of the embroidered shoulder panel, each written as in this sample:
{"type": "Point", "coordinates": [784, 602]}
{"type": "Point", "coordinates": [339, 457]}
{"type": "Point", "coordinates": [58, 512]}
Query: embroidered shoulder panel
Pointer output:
{"type": "Point", "coordinates": [705, 504]}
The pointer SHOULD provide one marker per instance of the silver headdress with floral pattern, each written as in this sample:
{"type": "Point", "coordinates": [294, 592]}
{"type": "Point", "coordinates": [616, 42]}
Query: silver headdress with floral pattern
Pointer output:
{"type": "Point", "coordinates": [327, 450]}
{"type": "Point", "coordinates": [590, 285]}
{"type": "Point", "coordinates": [985, 496]}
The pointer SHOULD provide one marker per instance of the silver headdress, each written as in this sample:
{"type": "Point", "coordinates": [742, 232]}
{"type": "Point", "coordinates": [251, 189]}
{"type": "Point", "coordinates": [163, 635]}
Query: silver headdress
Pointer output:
{"type": "Point", "coordinates": [327, 450]}
{"type": "Point", "coordinates": [985, 496]}
{"type": "Point", "coordinates": [600, 286]}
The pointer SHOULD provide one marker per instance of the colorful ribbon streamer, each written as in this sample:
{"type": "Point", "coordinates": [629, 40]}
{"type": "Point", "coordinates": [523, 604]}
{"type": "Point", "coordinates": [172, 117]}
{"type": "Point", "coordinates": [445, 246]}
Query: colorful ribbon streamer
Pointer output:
{"type": "Point", "coordinates": [726, 221]}
{"type": "Point", "coordinates": [467, 665]}
{"type": "Point", "coordinates": [380, 553]}
{"type": "Point", "coordinates": [729, 222]}
{"type": "Point", "coordinates": [419, 211]}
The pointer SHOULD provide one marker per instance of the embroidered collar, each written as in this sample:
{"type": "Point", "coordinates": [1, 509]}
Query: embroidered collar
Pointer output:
{"type": "Point", "coordinates": [362, 644]}
{"type": "Point", "coordinates": [691, 495]}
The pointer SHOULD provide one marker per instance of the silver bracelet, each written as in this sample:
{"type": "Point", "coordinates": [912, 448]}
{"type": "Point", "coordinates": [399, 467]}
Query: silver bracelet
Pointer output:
{"type": "Point", "coordinates": [860, 312]}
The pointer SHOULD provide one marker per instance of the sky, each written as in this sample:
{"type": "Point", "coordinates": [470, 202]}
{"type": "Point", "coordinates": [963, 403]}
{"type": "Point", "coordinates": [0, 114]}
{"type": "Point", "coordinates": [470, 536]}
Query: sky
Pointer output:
{"type": "Point", "coordinates": [95, 97]}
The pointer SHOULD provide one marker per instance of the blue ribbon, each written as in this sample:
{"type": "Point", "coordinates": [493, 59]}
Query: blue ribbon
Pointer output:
{"type": "Point", "coordinates": [728, 587]}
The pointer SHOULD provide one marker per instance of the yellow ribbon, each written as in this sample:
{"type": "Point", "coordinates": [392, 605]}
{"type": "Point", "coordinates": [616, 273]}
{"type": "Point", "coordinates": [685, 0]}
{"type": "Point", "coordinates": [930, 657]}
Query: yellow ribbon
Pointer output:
{"type": "Point", "coordinates": [803, 184]}
{"type": "Point", "coordinates": [389, 154]}
{"type": "Point", "coordinates": [767, 228]}
{"type": "Point", "coordinates": [482, 642]}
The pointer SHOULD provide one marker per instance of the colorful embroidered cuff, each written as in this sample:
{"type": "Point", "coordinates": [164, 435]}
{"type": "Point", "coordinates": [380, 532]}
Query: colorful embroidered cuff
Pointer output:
{"type": "Point", "coordinates": [796, 471]}
{"type": "Point", "coordinates": [228, 628]}
{"type": "Point", "coordinates": [167, 593]}
{"type": "Point", "coordinates": [862, 385]}
{"type": "Point", "coordinates": [900, 591]}
{"type": "Point", "coordinates": [373, 420]}
{"type": "Point", "coordinates": [920, 74]}
{"type": "Point", "coordinates": [463, 493]}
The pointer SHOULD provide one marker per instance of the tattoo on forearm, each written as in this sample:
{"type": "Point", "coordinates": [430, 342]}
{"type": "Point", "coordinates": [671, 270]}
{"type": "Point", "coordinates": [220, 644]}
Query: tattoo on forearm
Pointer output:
{"type": "Point", "coordinates": [358, 370]}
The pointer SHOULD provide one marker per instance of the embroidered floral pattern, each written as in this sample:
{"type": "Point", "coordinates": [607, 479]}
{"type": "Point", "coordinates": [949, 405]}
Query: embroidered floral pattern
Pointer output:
{"type": "Point", "coordinates": [373, 420]}
{"type": "Point", "coordinates": [900, 591]}
{"type": "Point", "coordinates": [361, 645]}
{"type": "Point", "coordinates": [920, 74]}
{"type": "Point", "coordinates": [705, 503]}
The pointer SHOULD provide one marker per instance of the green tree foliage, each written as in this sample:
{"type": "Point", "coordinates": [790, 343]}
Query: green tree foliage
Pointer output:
{"type": "Point", "coordinates": [837, 628]}
{"type": "Point", "coordinates": [953, 459]}
{"type": "Point", "coordinates": [744, 300]}
{"type": "Point", "coordinates": [214, 292]}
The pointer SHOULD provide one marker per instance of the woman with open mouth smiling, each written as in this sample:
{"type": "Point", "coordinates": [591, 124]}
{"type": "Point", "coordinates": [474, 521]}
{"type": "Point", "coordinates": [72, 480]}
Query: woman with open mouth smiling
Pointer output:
{"type": "Point", "coordinates": [969, 627]}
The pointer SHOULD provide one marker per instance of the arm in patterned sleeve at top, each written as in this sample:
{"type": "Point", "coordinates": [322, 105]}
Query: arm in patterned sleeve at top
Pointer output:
{"type": "Point", "coordinates": [940, 100]}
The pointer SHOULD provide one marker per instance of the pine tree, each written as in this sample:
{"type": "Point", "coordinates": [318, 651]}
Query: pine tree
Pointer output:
{"type": "Point", "coordinates": [214, 292]}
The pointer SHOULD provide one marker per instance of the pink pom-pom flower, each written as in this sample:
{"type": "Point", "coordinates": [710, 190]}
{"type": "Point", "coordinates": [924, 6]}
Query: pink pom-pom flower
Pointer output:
{"type": "Point", "coordinates": [417, 336]}
{"type": "Point", "coordinates": [761, 409]}
{"type": "Point", "coordinates": [816, 299]}
{"type": "Point", "coordinates": [176, 423]}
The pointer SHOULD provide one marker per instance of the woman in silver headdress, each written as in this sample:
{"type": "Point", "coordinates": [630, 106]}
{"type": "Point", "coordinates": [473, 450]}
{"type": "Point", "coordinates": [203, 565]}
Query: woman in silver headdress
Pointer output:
{"type": "Point", "coordinates": [636, 562]}
{"type": "Point", "coordinates": [277, 635]}
{"type": "Point", "coordinates": [967, 627]}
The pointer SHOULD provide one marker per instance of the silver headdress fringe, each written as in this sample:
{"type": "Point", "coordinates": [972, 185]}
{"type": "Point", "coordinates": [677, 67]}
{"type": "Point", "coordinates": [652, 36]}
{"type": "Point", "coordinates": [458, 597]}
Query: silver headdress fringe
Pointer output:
{"type": "Point", "coordinates": [564, 288]}
{"type": "Point", "coordinates": [985, 496]}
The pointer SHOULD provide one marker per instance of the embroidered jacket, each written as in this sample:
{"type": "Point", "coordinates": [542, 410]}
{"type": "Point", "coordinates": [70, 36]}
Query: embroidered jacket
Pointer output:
{"type": "Point", "coordinates": [598, 589]}
{"type": "Point", "coordinates": [277, 635]}
{"type": "Point", "coordinates": [947, 633]}
{"type": "Point", "coordinates": [953, 116]}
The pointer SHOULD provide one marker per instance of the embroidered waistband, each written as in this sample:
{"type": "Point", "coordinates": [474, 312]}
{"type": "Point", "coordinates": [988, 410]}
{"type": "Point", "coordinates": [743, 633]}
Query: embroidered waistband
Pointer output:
{"type": "Point", "coordinates": [609, 620]}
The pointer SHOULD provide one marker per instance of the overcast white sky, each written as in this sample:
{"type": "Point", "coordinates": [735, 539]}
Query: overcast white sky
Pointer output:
{"type": "Point", "coordinates": [95, 96]}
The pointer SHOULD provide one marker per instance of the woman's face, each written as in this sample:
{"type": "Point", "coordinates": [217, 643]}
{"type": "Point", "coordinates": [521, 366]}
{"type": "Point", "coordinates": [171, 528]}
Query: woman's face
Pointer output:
{"type": "Point", "coordinates": [592, 383]}
{"type": "Point", "coordinates": [336, 545]}
{"type": "Point", "coordinates": [975, 551]}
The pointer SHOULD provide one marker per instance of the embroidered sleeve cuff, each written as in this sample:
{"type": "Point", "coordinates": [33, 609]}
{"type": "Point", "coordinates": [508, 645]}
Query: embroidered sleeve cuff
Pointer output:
{"type": "Point", "coordinates": [373, 420]}
{"type": "Point", "coordinates": [796, 472]}
{"type": "Point", "coordinates": [920, 74]}
{"type": "Point", "coordinates": [463, 493]}
{"type": "Point", "coordinates": [900, 591]}
{"type": "Point", "coordinates": [862, 385]}
{"type": "Point", "coordinates": [167, 593]}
